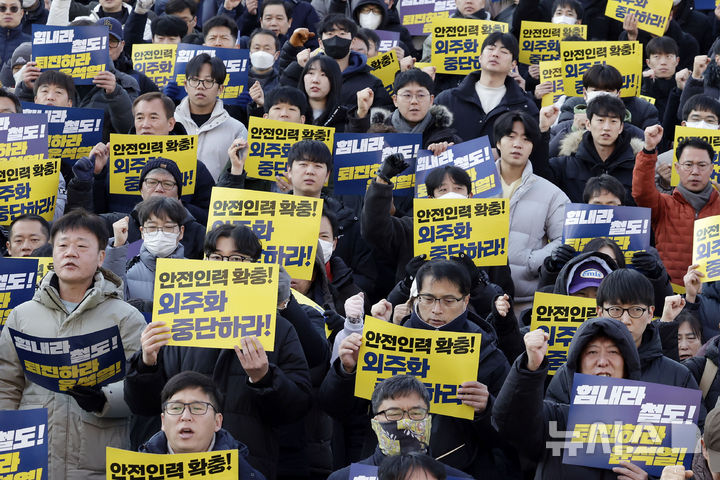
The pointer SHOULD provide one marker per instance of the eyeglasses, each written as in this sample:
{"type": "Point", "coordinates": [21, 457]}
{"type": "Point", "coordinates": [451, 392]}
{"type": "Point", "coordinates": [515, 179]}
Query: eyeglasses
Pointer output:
{"type": "Point", "coordinates": [195, 82]}
{"type": "Point", "coordinates": [427, 300]}
{"type": "Point", "coordinates": [216, 257]}
{"type": "Point", "coordinates": [13, 8]}
{"type": "Point", "coordinates": [113, 42]}
{"type": "Point", "coordinates": [152, 183]}
{"type": "Point", "coordinates": [165, 228]}
{"type": "Point", "coordinates": [195, 408]}
{"type": "Point", "coordinates": [633, 312]}
{"type": "Point", "coordinates": [688, 166]}
{"type": "Point", "coordinates": [395, 414]}
{"type": "Point", "coordinates": [406, 97]}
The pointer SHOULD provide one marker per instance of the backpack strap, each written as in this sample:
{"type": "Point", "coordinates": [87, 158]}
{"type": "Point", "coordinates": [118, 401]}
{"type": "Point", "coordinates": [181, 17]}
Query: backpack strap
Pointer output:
{"type": "Point", "coordinates": [708, 376]}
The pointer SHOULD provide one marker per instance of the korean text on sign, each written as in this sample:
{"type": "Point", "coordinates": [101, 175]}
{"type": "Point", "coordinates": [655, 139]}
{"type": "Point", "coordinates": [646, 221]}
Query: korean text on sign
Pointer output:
{"type": "Point", "coordinates": [614, 419]}
{"type": "Point", "coordinates": [441, 360]}
{"type": "Point", "coordinates": [17, 284]}
{"type": "Point", "coordinates": [540, 41]}
{"type": "Point", "coordinates": [28, 187]}
{"type": "Point", "coordinates": [23, 444]}
{"type": "Point", "coordinates": [215, 304]}
{"type": "Point", "coordinates": [80, 52]}
{"type": "Point", "coordinates": [578, 57]}
{"type": "Point", "coordinates": [155, 60]}
{"type": "Point", "coordinates": [706, 247]}
{"type": "Point", "coordinates": [417, 15]}
{"type": "Point", "coordinates": [552, 71]}
{"type": "Point", "coordinates": [651, 16]}
{"type": "Point", "coordinates": [59, 364]}
{"type": "Point", "coordinates": [456, 43]}
{"type": "Point", "coordinates": [560, 316]}
{"type": "Point", "coordinates": [710, 136]}
{"type": "Point", "coordinates": [127, 465]}
{"type": "Point", "coordinates": [385, 66]}
{"type": "Point", "coordinates": [23, 136]}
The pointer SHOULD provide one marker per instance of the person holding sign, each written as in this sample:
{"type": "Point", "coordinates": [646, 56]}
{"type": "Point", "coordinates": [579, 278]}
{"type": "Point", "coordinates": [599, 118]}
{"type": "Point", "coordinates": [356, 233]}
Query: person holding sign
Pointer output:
{"type": "Point", "coordinates": [76, 298]}
{"type": "Point", "coordinates": [192, 422]}
{"type": "Point", "coordinates": [601, 346]}
{"type": "Point", "coordinates": [673, 215]}
{"type": "Point", "coordinates": [441, 304]}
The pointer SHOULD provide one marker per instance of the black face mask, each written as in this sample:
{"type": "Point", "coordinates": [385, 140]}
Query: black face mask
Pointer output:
{"type": "Point", "coordinates": [336, 47]}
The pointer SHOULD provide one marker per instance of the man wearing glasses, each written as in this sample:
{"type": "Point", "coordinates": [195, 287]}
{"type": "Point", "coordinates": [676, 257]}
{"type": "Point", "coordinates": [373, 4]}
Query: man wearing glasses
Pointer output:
{"type": "Point", "coordinates": [673, 215]}
{"type": "Point", "coordinates": [192, 422]}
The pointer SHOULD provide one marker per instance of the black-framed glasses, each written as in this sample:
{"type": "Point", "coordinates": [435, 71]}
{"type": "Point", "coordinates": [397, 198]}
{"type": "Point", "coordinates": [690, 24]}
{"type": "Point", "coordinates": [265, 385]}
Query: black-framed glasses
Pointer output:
{"type": "Point", "coordinates": [12, 8]}
{"type": "Point", "coordinates": [195, 82]}
{"type": "Point", "coordinates": [163, 228]}
{"type": "Point", "coordinates": [216, 257]}
{"type": "Point", "coordinates": [195, 408]}
{"type": "Point", "coordinates": [633, 312]}
{"type": "Point", "coordinates": [166, 184]}
{"type": "Point", "coordinates": [395, 414]}
{"type": "Point", "coordinates": [447, 301]}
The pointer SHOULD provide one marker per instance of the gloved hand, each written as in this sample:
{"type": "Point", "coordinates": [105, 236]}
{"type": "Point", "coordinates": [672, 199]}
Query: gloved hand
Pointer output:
{"type": "Point", "coordinates": [470, 266]}
{"type": "Point", "coordinates": [391, 166]}
{"type": "Point", "coordinates": [143, 6]}
{"type": "Point", "coordinates": [412, 267]}
{"type": "Point", "coordinates": [84, 169]}
{"type": "Point", "coordinates": [90, 399]}
{"type": "Point", "coordinates": [647, 264]}
{"type": "Point", "coordinates": [561, 255]}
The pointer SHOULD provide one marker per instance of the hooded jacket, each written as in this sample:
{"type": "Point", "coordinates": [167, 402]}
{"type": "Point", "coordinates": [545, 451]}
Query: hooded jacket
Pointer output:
{"type": "Point", "coordinates": [642, 113]}
{"type": "Point", "coordinates": [158, 444]}
{"type": "Point", "coordinates": [697, 364]}
{"type": "Point", "coordinates": [707, 309]}
{"type": "Point", "coordinates": [523, 417]}
{"type": "Point", "coordinates": [390, 22]}
{"type": "Point", "coordinates": [77, 439]}
{"type": "Point", "coordinates": [579, 160]}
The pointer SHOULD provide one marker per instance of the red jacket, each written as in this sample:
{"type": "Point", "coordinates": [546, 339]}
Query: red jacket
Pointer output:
{"type": "Point", "coordinates": [672, 216]}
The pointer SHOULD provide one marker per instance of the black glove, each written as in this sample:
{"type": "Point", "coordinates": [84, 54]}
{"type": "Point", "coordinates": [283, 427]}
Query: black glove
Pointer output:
{"type": "Point", "coordinates": [470, 266]}
{"type": "Point", "coordinates": [647, 264]}
{"type": "Point", "coordinates": [84, 169]}
{"type": "Point", "coordinates": [412, 267]}
{"type": "Point", "coordinates": [561, 255]}
{"type": "Point", "coordinates": [392, 165]}
{"type": "Point", "coordinates": [90, 399]}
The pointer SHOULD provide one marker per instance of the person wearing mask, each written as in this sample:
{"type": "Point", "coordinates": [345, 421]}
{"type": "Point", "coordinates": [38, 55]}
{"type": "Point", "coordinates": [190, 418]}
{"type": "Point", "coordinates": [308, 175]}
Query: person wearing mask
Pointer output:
{"type": "Point", "coordinates": [263, 75]}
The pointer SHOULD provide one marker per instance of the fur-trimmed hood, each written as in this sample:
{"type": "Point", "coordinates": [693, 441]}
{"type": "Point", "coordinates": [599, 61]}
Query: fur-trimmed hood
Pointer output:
{"type": "Point", "coordinates": [441, 116]}
{"type": "Point", "coordinates": [571, 143]}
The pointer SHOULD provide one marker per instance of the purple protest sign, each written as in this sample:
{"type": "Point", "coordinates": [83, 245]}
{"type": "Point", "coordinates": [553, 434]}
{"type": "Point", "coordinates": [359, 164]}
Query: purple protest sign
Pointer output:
{"type": "Point", "coordinates": [23, 136]}
{"type": "Point", "coordinates": [80, 52]}
{"type": "Point", "coordinates": [388, 40]}
{"type": "Point", "coordinates": [418, 14]}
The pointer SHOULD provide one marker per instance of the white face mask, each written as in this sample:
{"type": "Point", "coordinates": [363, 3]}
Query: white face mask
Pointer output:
{"type": "Point", "coordinates": [28, 3]}
{"type": "Point", "coordinates": [676, 3]}
{"type": "Point", "coordinates": [701, 124]}
{"type": "Point", "coordinates": [160, 244]}
{"type": "Point", "coordinates": [327, 249]}
{"type": "Point", "coordinates": [262, 60]}
{"type": "Point", "coordinates": [564, 19]}
{"type": "Point", "coordinates": [370, 20]}
{"type": "Point", "coordinates": [452, 195]}
{"type": "Point", "coordinates": [595, 94]}
{"type": "Point", "coordinates": [19, 76]}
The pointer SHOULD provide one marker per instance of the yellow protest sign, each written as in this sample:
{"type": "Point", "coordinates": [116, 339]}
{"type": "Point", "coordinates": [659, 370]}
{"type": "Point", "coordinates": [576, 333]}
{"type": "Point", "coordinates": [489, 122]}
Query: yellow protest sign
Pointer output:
{"type": "Point", "coordinates": [648, 99]}
{"type": "Point", "coordinates": [709, 135]}
{"type": "Point", "coordinates": [540, 41]}
{"type": "Point", "coordinates": [28, 186]}
{"type": "Point", "coordinates": [706, 247]}
{"type": "Point", "coordinates": [45, 265]}
{"type": "Point", "coordinates": [385, 66]}
{"type": "Point", "coordinates": [552, 71]}
{"type": "Point", "coordinates": [287, 225]}
{"type": "Point", "coordinates": [651, 16]}
{"type": "Point", "coordinates": [456, 43]}
{"type": "Point", "coordinates": [130, 153]}
{"type": "Point", "coordinates": [214, 465]}
{"type": "Point", "coordinates": [215, 304]}
{"type": "Point", "coordinates": [303, 300]}
{"type": "Point", "coordinates": [155, 60]}
{"type": "Point", "coordinates": [560, 316]}
{"type": "Point", "coordinates": [442, 360]}
{"type": "Point", "coordinates": [476, 226]}
{"type": "Point", "coordinates": [269, 142]}
{"type": "Point", "coordinates": [577, 57]}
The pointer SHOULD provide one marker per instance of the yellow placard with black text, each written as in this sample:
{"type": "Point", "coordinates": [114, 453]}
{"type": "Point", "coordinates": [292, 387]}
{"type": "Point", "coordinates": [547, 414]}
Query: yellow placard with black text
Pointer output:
{"type": "Point", "coordinates": [552, 71]}
{"type": "Point", "coordinates": [155, 60]}
{"type": "Point", "coordinates": [385, 66]}
{"type": "Point", "coordinates": [540, 41]}
{"type": "Point", "coordinates": [456, 43]}
{"type": "Point", "coordinates": [711, 136]}
{"type": "Point", "coordinates": [28, 186]}
{"type": "Point", "coordinates": [578, 57]}
{"type": "Point", "coordinates": [651, 15]}
{"type": "Point", "coordinates": [706, 247]}
{"type": "Point", "coordinates": [214, 465]}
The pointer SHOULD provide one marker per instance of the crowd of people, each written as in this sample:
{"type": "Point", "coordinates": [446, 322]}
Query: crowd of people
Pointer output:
{"type": "Point", "coordinates": [291, 412]}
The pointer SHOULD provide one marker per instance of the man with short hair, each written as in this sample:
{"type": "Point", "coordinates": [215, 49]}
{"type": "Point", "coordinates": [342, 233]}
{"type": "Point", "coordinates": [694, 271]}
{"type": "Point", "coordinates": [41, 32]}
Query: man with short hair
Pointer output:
{"type": "Point", "coordinates": [76, 298]}
{"type": "Point", "coordinates": [673, 215]}
{"type": "Point", "coordinates": [11, 28]}
{"type": "Point", "coordinates": [220, 31]}
{"type": "Point", "coordinates": [283, 19]}
{"type": "Point", "coordinates": [27, 233]}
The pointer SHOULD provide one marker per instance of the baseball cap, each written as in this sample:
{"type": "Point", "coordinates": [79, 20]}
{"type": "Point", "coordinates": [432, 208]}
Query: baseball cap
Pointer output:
{"type": "Point", "coordinates": [114, 27]}
{"type": "Point", "coordinates": [21, 55]}
{"type": "Point", "coordinates": [587, 274]}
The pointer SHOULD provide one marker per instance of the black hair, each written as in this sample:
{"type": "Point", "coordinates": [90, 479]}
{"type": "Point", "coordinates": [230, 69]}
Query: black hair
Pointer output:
{"type": "Point", "coordinates": [220, 21]}
{"type": "Point", "coordinates": [16, 101]}
{"type": "Point", "coordinates": [599, 242]}
{"type": "Point", "coordinates": [371, 37]}
{"type": "Point", "coordinates": [168, 104]}
{"type": "Point", "coordinates": [662, 45]}
{"type": "Point", "coordinates": [246, 242]}
{"type": "Point", "coordinates": [413, 75]}
{"type": "Point", "coordinates": [177, 6]}
{"type": "Point", "coordinates": [217, 67]}
{"type": "Point", "coordinates": [332, 218]}
{"type": "Point", "coordinates": [701, 103]}
{"type": "Point", "coordinates": [211, 238]}
{"type": "Point", "coordinates": [627, 287]}
{"type": "Point", "coordinates": [310, 151]}
{"type": "Point", "coordinates": [81, 218]}
{"type": "Point", "coordinates": [161, 207]}
{"type": "Point", "coordinates": [263, 31]}
{"type": "Point", "coordinates": [331, 69]}
{"type": "Point", "coordinates": [437, 175]}
{"type": "Point", "coordinates": [56, 77]}
{"type": "Point", "coordinates": [168, 26]}
{"type": "Point", "coordinates": [396, 387]}
{"type": "Point", "coordinates": [289, 95]}
{"type": "Point", "coordinates": [602, 77]}
{"type": "Point", "coordinates": [606, 106]}
{"type": "Point", "coordinates": [688, 317]}
{"type": "Point", "coordinates": [405, 465]}
{"type": "Point", "coordinates": [603, 183]}
{"type": "Point", "coordinates": [30, 217]}
{"type": "Point", "coordinates": [362, 36]}
{"type": "Point", "coordinates": [337, 20]}
{"type": "Point", "coordinates": [574, 4]}
{"type": "Point", "coordinates": [285, 5]}
{"type": "Point", "coordinates": [504, 126]}
{"type": "Point", "coordinates": [191, 380]}
{"type": "Point", "coordinates": [506, 39]}
{"type": "Point", "coordinates": [441, 269]}
{"type": "Point", "coordinates": [695, 142]}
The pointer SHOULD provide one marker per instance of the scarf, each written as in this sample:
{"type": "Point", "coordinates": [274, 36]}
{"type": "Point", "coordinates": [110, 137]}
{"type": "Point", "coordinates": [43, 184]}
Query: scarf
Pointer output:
{"type": "Point", "coordinates": [402, 126]}
{"type": "Point", "coordinates": [696, 199]}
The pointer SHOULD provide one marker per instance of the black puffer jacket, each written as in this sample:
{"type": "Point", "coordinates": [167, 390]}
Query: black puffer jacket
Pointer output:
{"type": "Point", "coordinates": [697, 365]}
{"type": "Point", "coordinates": [707, 309]}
